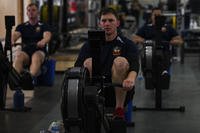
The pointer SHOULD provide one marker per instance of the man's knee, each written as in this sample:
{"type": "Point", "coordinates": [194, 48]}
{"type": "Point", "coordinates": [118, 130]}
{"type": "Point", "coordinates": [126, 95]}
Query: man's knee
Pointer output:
{"type": "Point", "coordinates": [38, 56]}
{"type": "Point", "coordinates": [119, 69]}
{"type": "Point", "coordinates": [22, 57]}
{"type": "Point", "coordinates": [120, 64]}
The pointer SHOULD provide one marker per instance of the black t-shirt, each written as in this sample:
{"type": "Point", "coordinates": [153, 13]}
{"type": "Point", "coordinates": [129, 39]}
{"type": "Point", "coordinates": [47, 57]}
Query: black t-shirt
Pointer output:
{"type": "Point", "coordinates": [164, 35]}
{"type": "Point", "coordinates": [120, 46]}
{"type": "Point", "coordinates": [31, 34]}
{"type": "Point", "coordinates": [148, 32]}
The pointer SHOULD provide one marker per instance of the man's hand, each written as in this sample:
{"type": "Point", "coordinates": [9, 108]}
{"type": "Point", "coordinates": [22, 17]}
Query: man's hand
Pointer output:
{"type": "Point", "coordinates": [137, 39]}
{"type": "Point", "coordinates": [177, 40]}
{"type": "Point", "coordinates": [45, 40]}
{"type": "Point", "coordinates": [41, 43]}
{"type": "Point", "coordinates": [128, 84]}
{"type": "Point", "coordinates": [14, 37]}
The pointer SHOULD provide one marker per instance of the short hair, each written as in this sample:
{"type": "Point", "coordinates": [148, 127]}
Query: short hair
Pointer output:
{"type": "Point", "coordinates": [156, 8]}
{"type": "Point", "coordinates": [108, 10]}
{"type": "Point", "coordinates": [32, 4]}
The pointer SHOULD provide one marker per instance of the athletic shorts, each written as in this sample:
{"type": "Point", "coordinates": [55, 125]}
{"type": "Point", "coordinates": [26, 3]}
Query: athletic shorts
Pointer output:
{"type": "Point", "coordinates": [32, 49]}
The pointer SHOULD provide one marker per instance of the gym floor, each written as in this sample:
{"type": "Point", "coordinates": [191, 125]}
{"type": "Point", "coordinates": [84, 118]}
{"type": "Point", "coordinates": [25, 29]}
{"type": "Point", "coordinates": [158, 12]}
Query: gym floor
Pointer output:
{"type": "Point", "coordinates": [184, 91]}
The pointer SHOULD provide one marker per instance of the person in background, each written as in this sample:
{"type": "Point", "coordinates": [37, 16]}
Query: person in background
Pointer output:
{"type": "Point", "coordinates": [119, 61]}
{"type": "Point", "coordinates": [167, 34]}
{"type": "Point", "coordinates": [147, 31]}
{"type": "Point", "coordinates": [35, 36]}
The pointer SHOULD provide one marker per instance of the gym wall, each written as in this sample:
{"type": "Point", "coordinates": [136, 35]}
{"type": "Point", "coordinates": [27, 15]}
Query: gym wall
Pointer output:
{"type": "Point", "coordinates": [7, 7]}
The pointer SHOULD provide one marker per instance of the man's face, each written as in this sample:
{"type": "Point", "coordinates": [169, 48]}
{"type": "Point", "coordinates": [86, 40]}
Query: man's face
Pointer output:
{"type": "Point", "coordinates": [109, 23]}
{"type": "Point", "coordinates": [32, 12]}
{"type": "Point", "coordinates": [154, 14]}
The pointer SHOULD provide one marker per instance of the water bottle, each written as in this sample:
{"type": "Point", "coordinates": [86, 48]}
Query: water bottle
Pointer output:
{"type": "Point", "coordinates": [18, 99]}
{"type": "Point", "coordinates": [54, 127]}
{"type": "Point", "coordinates": [140, 76]}
{"type": "Point", "coordinates": [191, 24]}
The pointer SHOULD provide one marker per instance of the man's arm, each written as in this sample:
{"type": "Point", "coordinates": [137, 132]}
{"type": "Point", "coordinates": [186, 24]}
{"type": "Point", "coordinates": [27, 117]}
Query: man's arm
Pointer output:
{"type": "Point", "coordinates": [83, 54]}
{"type": "Point", "coordinates": [138, 39]}
{"type": "Point", "coordinates": [16, 35]}
{"type": "Point", "coordinates": [46, 38]}
{"type": "Point", "coordinates": [132, 55]}
{"type": "Point", "coordinates": [177, 40]}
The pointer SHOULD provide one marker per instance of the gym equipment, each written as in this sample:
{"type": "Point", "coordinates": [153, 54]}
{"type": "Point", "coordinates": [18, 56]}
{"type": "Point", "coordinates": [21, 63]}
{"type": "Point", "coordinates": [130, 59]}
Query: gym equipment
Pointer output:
{"type": "Point", "coordinates": [93, 7]}
{"type": "Point", "coordinates": [156, 61]}
{"type": "Point", "coordinates": [155, 58]}
{"type": "Point", "coordinates": [8, 74]}
{"type": "Point", "coordinates": [47, 72]}
{"type": "Point", "coordinates": [191, 39]}
{"type": "Point", "coordinates": [2, 80]}
{"type": "Point", "coordinates": [54, 43]}
{"type": "Point", "coordinates": [50, 15]}
{"type": "Point", "coordinates": [82, 106]}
